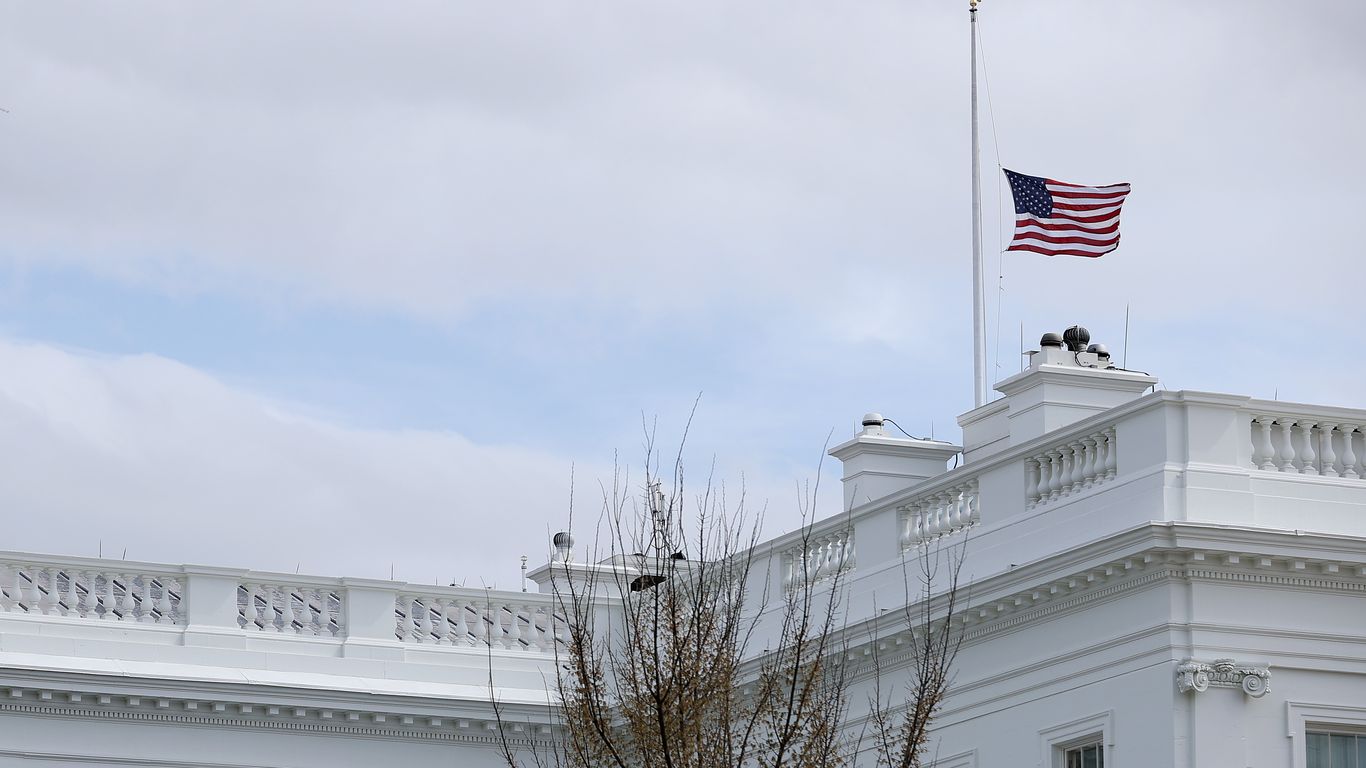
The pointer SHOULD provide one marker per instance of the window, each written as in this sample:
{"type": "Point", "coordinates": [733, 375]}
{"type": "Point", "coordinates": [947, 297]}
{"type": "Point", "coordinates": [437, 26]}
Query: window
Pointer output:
{"type": "Point", "coordinates": [1335, 750]}
{"type": "Point", "coordinates": [1089, 756]}
{"type": "Point", "coordinates": [1080, 743]}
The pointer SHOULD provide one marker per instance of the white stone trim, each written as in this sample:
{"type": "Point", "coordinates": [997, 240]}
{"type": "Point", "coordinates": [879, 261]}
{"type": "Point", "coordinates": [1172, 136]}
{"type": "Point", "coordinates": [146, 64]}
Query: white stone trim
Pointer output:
{"type": "Point", "coordinates": [966, 759]}
{"type": "Point", "coordinates": [1052, 741]}
{"type": "Point", "coordinates": [1299, 715]}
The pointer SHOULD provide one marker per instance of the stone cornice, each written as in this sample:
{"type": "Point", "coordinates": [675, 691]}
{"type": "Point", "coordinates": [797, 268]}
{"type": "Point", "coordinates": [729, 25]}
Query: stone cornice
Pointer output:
{"type": "Point", "coordinates": [1151, 555]}
{"type": "Point", "coordinates": [78, 701]}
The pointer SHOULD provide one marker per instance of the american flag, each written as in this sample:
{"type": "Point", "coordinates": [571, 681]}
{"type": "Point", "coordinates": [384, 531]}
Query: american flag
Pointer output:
{"type": "Point", "coordinates": [1060, 219]}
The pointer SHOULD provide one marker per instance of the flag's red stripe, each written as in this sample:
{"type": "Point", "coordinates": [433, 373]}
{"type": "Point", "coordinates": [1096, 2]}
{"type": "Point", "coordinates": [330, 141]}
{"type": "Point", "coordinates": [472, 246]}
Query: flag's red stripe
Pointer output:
{"type": "Point", "coordinates": [1086, 206]}
{"type": "Point", "coordinates": [1088, 196]}
{"type": "Point", "coordinates": [1069, 239]}
{"type": "Point", "coordinates": [1062, 216]}
{"type": "Point", "coordinates": [1057, 252]}
{"type": "Point", "coordinates": [1122, 185]}
{"type": "Point", "coordinates": [1069, 226]}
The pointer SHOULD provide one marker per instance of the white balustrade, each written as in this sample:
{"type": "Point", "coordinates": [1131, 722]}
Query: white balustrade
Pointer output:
{"type": "Point", "coordinates": [470, 618]}
{"type": "Point", "coordinates": [1308, 446]}
{"type": "Point", "coordinates": [91, 593]}
{"type": "Point", "coordinates": [819, 557]}
{"type": "Point", "coordinates": [940, 512]}
{"type": "Point", "coordinates": [288, 609]}
{"type": "Point", "coordinates": [1070, 467]}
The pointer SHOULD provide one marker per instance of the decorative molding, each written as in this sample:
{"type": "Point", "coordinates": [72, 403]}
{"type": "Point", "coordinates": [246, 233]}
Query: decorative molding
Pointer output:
{"type": "Point", "coordinates": [1197, 676]}
{"type": "Point", "coordinates": [54, 702]}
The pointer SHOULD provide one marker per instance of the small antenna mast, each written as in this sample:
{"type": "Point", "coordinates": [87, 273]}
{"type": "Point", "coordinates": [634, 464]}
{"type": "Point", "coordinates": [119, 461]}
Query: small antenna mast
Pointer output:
{"type": "Point", "coordinates": [1125, 362]}
{"type": "Point", "coordinates": [523, 573]}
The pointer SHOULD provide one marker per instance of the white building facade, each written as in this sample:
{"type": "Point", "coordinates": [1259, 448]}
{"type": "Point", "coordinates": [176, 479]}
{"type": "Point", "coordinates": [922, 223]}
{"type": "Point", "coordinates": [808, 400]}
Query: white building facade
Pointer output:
{"type": "Point", "coordinates": [1151, 578]}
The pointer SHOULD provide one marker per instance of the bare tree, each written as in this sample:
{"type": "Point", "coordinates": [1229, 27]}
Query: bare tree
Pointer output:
{"type": "Point", "coordinates": [901, 731]}
{"type": "Point", "coordinates": [659, 666]}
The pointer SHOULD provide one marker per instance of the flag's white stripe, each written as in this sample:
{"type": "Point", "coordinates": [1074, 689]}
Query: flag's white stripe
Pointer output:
{"type": "Point", "coordinates": [1120, 189]}
{"type": "Point", "coordinates": [1107, 201]}
{"type": "Point", "coordinates": [1105, 247]}
{"type": "Point", "coordinates": [1068, 213]}
{"type": "Point", "coordinates": [1027, 219]}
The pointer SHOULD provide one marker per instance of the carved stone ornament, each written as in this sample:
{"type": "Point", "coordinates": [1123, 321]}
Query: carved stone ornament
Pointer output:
{"type": "Point", "coordinates": [1198, 676]}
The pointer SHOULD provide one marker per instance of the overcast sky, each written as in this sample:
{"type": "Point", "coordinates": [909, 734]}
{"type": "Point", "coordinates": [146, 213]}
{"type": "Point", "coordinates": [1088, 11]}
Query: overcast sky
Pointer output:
{"type": "Point", "coordinates": [351, 286]}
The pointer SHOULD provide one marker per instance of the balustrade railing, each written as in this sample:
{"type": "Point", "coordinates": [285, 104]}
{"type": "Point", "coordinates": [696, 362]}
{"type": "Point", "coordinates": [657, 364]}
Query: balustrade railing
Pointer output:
{"type": "Point", "coordinates": [528, 622]}
{"type": "Point", "coordinates": [287, 609]}
{"type": "Point", "coordinates": [819, 557]}
{"type": "Point", "coordinates": [1070, 467]}
{"type": "Point", "coordinates": [269, 604]}
{"type": "Point", "coordinates": [1308, 445]}
{"type": "Point", "coordinates": [96, 593]}
{"type": "Point", "coordinates": [939, 512]}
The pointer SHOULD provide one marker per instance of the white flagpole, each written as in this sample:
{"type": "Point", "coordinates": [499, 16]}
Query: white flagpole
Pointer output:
{"type": "Point", "coordinates": [979, 322]}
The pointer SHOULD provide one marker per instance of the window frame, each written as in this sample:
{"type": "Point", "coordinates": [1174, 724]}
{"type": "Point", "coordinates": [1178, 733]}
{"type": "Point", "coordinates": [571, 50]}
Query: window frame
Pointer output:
{"type": "Point", "coordinates": [1093, 729]}
{"type": "Point", "coordinates": [1302, 717]}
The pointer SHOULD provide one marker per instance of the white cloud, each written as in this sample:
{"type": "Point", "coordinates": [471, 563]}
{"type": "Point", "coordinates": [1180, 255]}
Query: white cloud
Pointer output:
{"type": "Point", "coordinates": [665, 156]}
{"type": "Point", "coordinates": [161, 459]}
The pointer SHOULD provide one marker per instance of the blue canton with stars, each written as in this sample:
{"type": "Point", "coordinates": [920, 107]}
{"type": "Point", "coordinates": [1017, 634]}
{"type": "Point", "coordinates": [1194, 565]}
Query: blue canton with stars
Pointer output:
{"type": "Point", "coordinates": [1031, 196]}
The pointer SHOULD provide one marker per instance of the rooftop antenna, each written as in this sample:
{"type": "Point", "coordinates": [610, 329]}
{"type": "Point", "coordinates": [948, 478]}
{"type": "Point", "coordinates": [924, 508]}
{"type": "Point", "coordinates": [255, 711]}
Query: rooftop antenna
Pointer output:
{"type": "Point", "coordinates": [124, 556]}
{"type": "Point", "coordinates": [101, 549]}
{"type": "Point", "coordinates": [1125, 362]}
{"type": "Point", "coordinates": [1022, 355]}
{"type": "Point", "coordinates": [523, 573]}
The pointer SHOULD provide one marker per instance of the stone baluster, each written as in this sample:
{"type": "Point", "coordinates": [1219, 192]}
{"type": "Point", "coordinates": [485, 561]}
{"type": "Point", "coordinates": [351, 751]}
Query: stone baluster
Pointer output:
{"type": "Point", "coordinates": [1308, 457]}
{"type": "Point", "coordinates": [1263, 450]}
{"type": "Point", "coordinates": [250, 613]}
{"type": "Point", "coordinates": [971, 502]}
{"type": "Point", "coordinates": [1078, 465]}
{"type": "Point", "coordinates": [14, 589]}
{"type": "Point", "coordinates": [126, 599]}
{"type": "Point", "coordinates": [1090, 472]}
{"type": "Point", "coordinates": [324, 627]}
{"type": "Point", "coordinates": [1065, 482]}
{"type": "Point", "coordinates": [1327, 458]}
{"type": "Point", "coordinates": [1287, 445]}
{"type": "Point", "coordinates": [145, 601]}
{"type": "Point", "coordinates": [164, 606]}
{"type": "Point", "coordinates": [27, 580]}
{"type": "Point", "coordinates": [1045, 477]}
{"type": "Point", "coordinates": [1111, 454]}
{"type": "Point", "coordinates": [424, 622]}
{"type": "Point", "coordinates": [72, 595]}
{"type": "Point", "coordinates": [528, 627]}
{"type": "Point", "coordinates": [1031, 481]}
{"type": "Point", "coordinates": [1054, 474]}
{"type": "Point", "coordinates": [462, 627]}
{"type": "Point", "coordinates": [291, 615]}
{"type": "Point", "coordinates": [9, 595]}
{"type": "Point", "coordinates": [109, 599]}
{"type": "Point", "coordinates": [443, 625]}
{"type": "Point", "coordinates": [514, 631]}
{"type": "Point", "coordinates": [47, 598]}
{"type": "Point", "coordinates": [91, 604]}
{"type": "Point", "coordinates": [1349, 456]}
{"type": "Point", "coordinates": [480, 626]}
